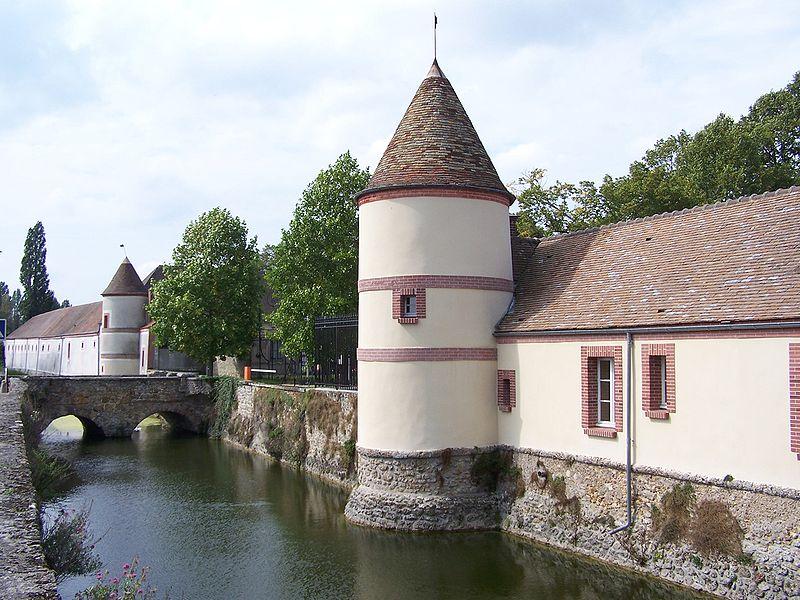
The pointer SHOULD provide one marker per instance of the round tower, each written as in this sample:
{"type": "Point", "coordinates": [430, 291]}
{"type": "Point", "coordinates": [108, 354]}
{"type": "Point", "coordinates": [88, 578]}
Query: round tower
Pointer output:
{"type": "Point", "coordinates": [435, 276]}
{"type": "Point", "coordinates": [123, 316]}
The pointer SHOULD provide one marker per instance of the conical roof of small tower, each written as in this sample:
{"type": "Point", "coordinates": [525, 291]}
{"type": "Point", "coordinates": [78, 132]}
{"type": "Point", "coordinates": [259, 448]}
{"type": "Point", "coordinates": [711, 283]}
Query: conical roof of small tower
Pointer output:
{"type": "Point", "coordinates": [125, 282]}
{"type": "Point", "coordinates": [436, 145]}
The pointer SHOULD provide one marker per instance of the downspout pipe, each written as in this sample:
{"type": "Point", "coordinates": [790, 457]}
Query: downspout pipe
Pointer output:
{"type": "Point", "coordinates": [628, 434]}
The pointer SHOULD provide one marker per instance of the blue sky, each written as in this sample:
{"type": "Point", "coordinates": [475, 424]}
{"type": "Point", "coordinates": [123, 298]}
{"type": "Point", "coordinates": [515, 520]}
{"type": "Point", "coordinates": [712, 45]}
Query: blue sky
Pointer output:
{"type": "Point", "coordinates": [122, 121]}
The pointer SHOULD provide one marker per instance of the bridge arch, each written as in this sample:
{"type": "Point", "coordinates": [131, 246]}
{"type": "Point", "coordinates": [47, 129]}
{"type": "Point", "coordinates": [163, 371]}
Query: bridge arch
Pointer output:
{"type": "Point", "coordinates": [91, 429]}
{"type": "Point", "coordinates": [177, 422]}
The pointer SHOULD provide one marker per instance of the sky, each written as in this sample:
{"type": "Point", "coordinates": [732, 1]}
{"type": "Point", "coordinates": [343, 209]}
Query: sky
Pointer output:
{"type": "Point", "coordinates": [120, 122]}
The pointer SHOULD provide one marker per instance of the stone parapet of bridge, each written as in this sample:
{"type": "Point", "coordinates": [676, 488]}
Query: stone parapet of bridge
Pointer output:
{"type": "Point", "coordinates": [114, 406]}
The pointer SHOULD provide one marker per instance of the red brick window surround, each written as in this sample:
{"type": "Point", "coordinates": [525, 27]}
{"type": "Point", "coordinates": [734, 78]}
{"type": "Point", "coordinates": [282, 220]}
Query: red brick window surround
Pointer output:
{"type": "Point", "coordinates": [658, 380]}
{"type": "Point", "coordinates": [506, 389]}
{"type": "Point", "coordinates": [794, 397]}
{"type": "Point", "coordinates": [401, 300]}
{"type": "Point", "coordinates": [591, 357]}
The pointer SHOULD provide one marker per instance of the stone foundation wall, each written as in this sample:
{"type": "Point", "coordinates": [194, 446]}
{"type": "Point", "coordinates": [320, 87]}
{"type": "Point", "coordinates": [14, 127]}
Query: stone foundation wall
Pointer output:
{"type": "Point", "coordinates": [593, 503]}
{"type": "Point", "coordinates": [313, 429]}
{"type": "Point", "coordinates": [574, 503]}
{"type": "Point", "coordinates": [23, 572]}
{"type": "Point", "coordinates": [421, 491]}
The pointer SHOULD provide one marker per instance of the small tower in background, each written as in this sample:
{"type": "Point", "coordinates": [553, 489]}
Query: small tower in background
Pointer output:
{"type": "Point", "coordinates": [123, 315]}
{"type": "Point", "coordinates": [435, 276]}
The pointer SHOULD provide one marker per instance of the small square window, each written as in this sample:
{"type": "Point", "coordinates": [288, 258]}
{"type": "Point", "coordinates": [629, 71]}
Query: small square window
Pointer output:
{"type": "Point", "coordinates": [408, 306]}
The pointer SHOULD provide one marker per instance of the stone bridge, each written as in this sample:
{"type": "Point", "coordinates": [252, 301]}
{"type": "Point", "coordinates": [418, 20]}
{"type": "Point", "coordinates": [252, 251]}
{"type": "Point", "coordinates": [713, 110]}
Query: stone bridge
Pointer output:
{"type": "Point", "coordinates": [114, 406]}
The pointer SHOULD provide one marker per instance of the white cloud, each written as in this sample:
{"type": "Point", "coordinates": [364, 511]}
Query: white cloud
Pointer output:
{"type": "Point", "coordinates": [174, 108]}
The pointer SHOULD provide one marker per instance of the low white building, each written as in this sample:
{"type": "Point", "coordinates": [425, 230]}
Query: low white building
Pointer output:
{"type": "Point", "coordinates": [110, 337]}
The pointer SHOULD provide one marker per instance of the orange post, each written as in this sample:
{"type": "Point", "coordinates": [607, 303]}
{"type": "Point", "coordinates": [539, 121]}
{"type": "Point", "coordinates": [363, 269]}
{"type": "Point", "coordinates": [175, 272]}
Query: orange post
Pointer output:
{"type": "Point", "coordinates": [247, 374]}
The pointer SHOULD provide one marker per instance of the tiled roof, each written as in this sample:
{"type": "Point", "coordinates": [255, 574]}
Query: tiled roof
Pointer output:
{"type": "Point", "coordinates": [125, 282]}
{"type": "Point", "coordinates": [73, 320]}
{"type": "Point", "coordinates": [156, 274]}
{"type": "Point", "coordinates": [436, 145]}
{"type": "Point", "coordinates": [736, 261]}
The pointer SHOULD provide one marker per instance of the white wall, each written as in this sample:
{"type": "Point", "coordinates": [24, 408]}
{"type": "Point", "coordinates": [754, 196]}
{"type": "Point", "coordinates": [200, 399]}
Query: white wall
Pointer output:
{"type": "Point", "coordinates": [732, 407]}
{"type": "Point", "coordinates": [119, 344]}
{"type": "Point", "coordinates": [427, 405]}
{"type": "Point", "coordinates": [434, 236]}
{"type": "Point", "coordinates": [448, 313]}
{"type": "Point", "coordinates": [76, 355]}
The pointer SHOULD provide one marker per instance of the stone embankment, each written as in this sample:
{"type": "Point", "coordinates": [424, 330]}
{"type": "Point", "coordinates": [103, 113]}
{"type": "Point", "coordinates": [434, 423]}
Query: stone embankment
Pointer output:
{"type": "Point", "coordinates": [23, 572]}
{"type": "Point", "coordinates": [312, 429]}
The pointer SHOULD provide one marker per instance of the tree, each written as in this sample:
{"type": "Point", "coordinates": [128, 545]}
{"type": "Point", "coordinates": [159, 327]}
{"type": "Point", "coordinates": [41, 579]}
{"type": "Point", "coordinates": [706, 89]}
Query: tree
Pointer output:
{"type": "Point", "coordinates": [16, 307]}
{"type": "Point", "coordinates": [726, 159]}
{"type": "Point", "coordinates": [5, 303]}
{"type": "Point", "coordinates": [313, 271]}
{"type": "Point", "coordinates": [37, 297]}
{"type": "Point", "coordinates": [209, 302]}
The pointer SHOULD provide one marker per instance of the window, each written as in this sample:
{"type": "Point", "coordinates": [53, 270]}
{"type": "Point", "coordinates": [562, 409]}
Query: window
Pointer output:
{"type": "Point", "coordinates": [506, 389]}
{"type": "Point", "coordinates": [105, 321]}
{"type": "Point", "coordinates": [601, 390]}
{"type": "Point", "coordinates": [408, 306]}
{"type": "Point", "coordinates": [605, 391]}
{"type": "Point", "coordinates": [658, 380]}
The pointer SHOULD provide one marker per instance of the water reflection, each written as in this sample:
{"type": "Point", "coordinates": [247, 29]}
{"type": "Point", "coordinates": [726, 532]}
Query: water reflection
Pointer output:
{"type": "Point", "coordinates": [216, 522]}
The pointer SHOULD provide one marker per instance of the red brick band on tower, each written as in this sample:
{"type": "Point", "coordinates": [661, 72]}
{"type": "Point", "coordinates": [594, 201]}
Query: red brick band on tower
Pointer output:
{"type": "Point", "coordinates": [421, 191]}
{"type": "Point", "coordinates": [466, 282]}
{"type": "Point", "coordinates": [425, 354]}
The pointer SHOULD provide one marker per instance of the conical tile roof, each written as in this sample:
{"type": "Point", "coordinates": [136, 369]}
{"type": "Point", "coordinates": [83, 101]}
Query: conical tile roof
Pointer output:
{"type": "Point", "coordinates": [436, 145]}
{"type": "Point", "coordinates": [125, 282]}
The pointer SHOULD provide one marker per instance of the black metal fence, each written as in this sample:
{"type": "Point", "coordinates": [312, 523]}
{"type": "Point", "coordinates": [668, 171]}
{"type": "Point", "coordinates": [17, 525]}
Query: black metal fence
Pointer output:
{"type": "Point", "coordinates": [335, 345]}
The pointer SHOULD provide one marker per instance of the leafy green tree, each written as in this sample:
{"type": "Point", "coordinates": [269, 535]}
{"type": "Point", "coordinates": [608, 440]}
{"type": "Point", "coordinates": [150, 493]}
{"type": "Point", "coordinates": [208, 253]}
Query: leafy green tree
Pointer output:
{"type": "Point", "coordinates": [37, 297]}
{"type": "Point", "coordinates": [209, 302]}
{"type": "Point", "coordinates": [15, 316]}
{"type": "Point", "coordinates": [5, 303]}
{"type": "Point", "coordinates": [726, 159]}
{"type": "Point", "coordinates": [313, 271]}
{"type": "Point", "coordinates": [557, 208]}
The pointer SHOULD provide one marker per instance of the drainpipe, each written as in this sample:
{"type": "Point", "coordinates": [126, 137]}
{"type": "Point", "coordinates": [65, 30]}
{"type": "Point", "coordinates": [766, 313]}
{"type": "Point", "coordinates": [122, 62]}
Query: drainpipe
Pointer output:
{"type": "Point", "coordinates": [628, 427]}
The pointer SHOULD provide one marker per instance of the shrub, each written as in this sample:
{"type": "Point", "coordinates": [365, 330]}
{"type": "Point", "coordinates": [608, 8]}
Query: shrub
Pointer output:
{"type": "Point", "coordinates": [67, 545]}
{"type": "Point", "coordinates": [51, 475]}
{"type": "Point", "coordinates": [714, 529]}
{"type": "Point", "coordinates": [488, 467]}
{"type": "Point", "coordinates": [672, 518]}
{"type": "Point", "coordinates": [224, 395]}
{"type": "Point", "coordinates": [129, 585]}
{"type": "Point", "coordinates": [348, 455]}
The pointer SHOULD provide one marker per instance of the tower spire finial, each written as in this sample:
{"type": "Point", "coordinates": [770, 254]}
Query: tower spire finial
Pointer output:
{"type": "Point", "coordinates": [435, 22]}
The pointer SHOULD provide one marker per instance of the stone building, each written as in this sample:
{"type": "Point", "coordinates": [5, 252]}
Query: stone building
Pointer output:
{"type": "Point", "coordinates": [668, 343]}
{"type": "Point", "coordinates": [110, 337]}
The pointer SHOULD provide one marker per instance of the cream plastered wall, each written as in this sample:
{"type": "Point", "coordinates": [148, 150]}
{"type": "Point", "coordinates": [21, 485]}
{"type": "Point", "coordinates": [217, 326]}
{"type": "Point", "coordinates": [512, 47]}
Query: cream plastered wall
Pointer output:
{"type": "Point", "coordinates": [144, 346]}
{"type": "Point", "coordinates": [410, 406]}
{"type": "Point", "coordinates": [732, 417]}
{"type": "Point", "coordinates": [83, 355]}
{"type": "Point", "coordinates": [732, 401]}
{"type": "Point", "coordinates": [454, 318]}
{"type": "Point", "coordinates": [548, 411]}
{"type": "Point", "coordinates": [434, 236]}
{"type": "Point", "coordinates": [125, 311]}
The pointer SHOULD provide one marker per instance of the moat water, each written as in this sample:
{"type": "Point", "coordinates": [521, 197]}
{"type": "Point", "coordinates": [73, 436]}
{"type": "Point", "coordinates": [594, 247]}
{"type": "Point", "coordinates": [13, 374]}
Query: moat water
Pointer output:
{"type": "Point", "coordinates": [216, 522]}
